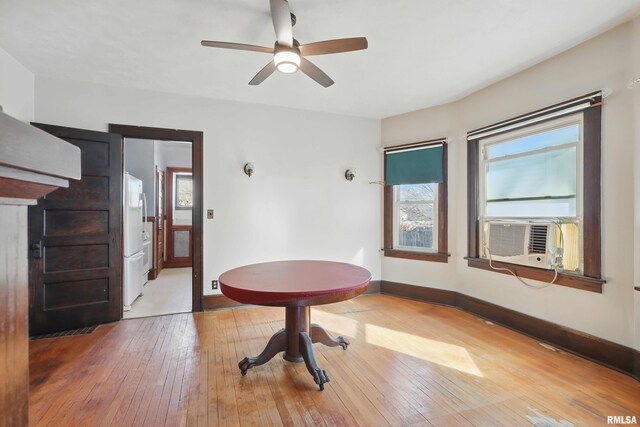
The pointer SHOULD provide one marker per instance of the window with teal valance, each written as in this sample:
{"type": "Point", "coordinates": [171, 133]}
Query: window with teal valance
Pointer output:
{"type": "Point", "coordinates": [420, 165]}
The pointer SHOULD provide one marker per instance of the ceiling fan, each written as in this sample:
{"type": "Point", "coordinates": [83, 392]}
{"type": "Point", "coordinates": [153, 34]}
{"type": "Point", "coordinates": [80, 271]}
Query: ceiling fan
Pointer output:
{"type": "Point", "coordinates": [288, 54]}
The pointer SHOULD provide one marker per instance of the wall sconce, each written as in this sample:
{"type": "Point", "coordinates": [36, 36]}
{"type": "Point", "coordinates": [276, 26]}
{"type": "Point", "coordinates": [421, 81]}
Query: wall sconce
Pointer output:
{"type": "Point", "coordinates": [248, 169]}
{"type": "Point", "coordinates": [349, 174]}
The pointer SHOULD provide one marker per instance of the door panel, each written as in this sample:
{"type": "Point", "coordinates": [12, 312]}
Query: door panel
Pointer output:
{"type": "Point", "coordinates": [75, 223]}
{"type": "Point", "coordinates": [89, 188]}
{"type": "Point", "coordinates": [75, 266]}
{"type": "Point", "coordinates": [181, 243]}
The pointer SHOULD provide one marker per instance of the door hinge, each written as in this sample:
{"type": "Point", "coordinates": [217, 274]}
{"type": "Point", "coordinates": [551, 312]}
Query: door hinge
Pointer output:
{"type": "Point", "coordinates": [36, 250]}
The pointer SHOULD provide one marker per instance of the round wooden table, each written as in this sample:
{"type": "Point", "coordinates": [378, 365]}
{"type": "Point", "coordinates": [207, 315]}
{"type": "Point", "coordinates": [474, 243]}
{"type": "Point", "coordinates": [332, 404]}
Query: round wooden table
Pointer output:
{"type": "Point", "coordinates": [295, 285]}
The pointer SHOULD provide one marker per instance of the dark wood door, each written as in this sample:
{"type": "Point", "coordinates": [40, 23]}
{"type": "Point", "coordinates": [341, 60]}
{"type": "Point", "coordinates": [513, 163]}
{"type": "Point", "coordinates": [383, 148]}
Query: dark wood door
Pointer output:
{"type": "Point", "coordinates": [75, 256]}
{"type": "Point", "coordinates": [179, 244]}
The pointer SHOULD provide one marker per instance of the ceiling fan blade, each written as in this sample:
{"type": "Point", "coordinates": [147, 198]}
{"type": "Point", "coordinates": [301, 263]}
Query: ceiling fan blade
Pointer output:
{"type": "Point", "coordinates": [237, 46]}
{"type": "Point", "coordinates": [281, 17]}
{"type": "Point", "coordinates": [263, 74]}
{"type": "Point", "coordinates": [315, 73]}
{"type": "Point", "coordinates": [334, 46]}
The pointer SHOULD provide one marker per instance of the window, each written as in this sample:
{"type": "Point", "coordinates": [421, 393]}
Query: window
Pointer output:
{"type": "Point", "coordinates": [533, 174]}
{"type": "Point", "coordinates": [415, 215]}
{"type": "Point", "coordinates": [415, 201]}
{"type": "Point", "coordinates": [534, 194]}
{"type": "Point", "coordinates": [184, 191]}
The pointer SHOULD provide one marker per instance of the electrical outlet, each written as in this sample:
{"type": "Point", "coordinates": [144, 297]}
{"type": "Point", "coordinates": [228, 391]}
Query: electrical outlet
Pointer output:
{"type": "Point", "coordinates": [209, 213]}
{"type": "Point", "coordinates": [214, 284]}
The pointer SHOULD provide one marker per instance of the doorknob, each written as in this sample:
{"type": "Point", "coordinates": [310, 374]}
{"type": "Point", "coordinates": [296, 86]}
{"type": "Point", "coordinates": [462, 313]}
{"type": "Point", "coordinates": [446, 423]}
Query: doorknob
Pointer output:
{"type": "Point", "coordinates": [36, 250]}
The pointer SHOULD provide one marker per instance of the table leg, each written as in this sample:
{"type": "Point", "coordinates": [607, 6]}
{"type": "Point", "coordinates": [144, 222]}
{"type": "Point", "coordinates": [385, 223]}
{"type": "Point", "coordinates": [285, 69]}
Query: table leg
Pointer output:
{"type": "Point", "coordinates": [296, 340]}
{"type": "Point", "coordinates": [296, 321]}
{"type": "Point", "coordinates": [276, 344]}
{"type": "Point", "coordinates": [318, 334]}
{"type": "Point", "coordinates": [319, 375]}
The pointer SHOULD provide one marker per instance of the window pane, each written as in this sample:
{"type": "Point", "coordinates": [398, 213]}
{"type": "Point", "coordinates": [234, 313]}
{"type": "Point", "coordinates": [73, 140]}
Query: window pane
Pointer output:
{"type": "Point", "coordinates": [184, 191]}
{"type": "Point", "coordinates": [548, 174]}
{"type": "Point", "coordinates": [533, 208]}
{"type": "Point", "coordinates": [416, 225]}
{"type": "Point", "coordinates": [552, 138]}
{"type": "Point", "coordinates": [416, 192]}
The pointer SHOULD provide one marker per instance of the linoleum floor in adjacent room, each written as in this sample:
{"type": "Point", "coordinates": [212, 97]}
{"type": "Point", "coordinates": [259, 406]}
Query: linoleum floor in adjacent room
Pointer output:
{"type": "Point", "coordinates": [169, 293]}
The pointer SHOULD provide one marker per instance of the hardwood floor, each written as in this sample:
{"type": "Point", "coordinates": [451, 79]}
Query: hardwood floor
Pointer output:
{"type": "Point", "coordinates": [409, 363]}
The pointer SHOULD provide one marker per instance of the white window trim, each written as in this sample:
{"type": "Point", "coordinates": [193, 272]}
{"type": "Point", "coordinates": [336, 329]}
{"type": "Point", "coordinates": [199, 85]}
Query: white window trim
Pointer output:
{"type": "Point", "coordinates": [396, 221]}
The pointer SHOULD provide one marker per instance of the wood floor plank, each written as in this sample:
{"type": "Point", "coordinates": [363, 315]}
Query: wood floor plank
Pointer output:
{"type": "Point", "coordinates": [410, 363]}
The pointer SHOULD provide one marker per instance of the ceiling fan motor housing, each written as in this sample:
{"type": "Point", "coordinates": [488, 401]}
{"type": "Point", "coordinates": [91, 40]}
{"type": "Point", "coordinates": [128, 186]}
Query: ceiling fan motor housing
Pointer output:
{"type": "Point", "coordinates": [287, 59]}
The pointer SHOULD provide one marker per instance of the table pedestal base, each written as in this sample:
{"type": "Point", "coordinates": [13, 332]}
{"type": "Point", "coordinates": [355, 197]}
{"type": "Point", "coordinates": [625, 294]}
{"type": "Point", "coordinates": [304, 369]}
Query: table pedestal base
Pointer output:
{"type": "Point", "coordinates": [296, 341]}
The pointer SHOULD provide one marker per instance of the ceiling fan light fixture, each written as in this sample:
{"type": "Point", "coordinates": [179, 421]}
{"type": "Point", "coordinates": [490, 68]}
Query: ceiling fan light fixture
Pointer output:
{"type": "Point", "coordinates": [289, 55]}
{"type": "Point", "coordinates": [287, 61]}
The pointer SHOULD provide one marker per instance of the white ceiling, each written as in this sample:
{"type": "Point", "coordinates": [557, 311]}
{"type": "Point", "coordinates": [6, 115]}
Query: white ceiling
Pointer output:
{"type": "Point", "coordinates": [421, 52]}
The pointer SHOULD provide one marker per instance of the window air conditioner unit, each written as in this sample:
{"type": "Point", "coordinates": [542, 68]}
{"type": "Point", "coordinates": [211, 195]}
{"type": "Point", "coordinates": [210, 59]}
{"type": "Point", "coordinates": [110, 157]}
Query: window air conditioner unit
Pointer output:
{"type": "Point", "coordinates": [525, 243]}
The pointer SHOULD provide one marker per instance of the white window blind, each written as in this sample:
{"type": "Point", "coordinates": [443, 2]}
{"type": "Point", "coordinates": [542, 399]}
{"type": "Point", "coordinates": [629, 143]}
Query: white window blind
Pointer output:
{"type": "Point", "coordinates": [534, 174]}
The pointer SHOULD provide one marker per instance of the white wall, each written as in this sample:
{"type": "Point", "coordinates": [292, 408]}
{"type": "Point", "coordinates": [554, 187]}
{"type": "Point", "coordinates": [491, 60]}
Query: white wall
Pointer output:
{"type": "Point", "coordinates": [158, 155]}
{"type": "Point", "coordinates": [174, 155]}
{"type": "Point", "coordinates": [139, 162]}
{"type": "Point", "coordinates": [297, 205]}
{"type": "Point", "coordinates": [16, 88]}
{"type": "Point", "coordinates": [601, 62]}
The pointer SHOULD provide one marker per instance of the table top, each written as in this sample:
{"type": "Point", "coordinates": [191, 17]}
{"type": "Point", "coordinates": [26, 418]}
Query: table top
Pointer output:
{"type": "Point", "coordinates": [294, 283]}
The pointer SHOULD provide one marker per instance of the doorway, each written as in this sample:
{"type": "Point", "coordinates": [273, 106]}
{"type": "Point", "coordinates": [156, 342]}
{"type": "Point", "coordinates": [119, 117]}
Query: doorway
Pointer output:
{"type": "Point", "coordinates": [173, 219]}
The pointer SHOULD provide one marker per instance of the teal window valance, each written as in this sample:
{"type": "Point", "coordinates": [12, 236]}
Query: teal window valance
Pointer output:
{"type": "Point", "coordinates": [419, 165]}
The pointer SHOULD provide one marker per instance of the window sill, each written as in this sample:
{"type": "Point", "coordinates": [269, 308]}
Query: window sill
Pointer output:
{"type": "Point", "coordinates": [422, 256]}
{"type": "Point", "coordinates": [584, 283]}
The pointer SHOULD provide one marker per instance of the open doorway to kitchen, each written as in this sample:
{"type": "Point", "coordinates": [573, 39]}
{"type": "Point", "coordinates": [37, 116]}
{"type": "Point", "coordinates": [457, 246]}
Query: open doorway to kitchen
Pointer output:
{"type": "Point", "coordinates": [162, 221]}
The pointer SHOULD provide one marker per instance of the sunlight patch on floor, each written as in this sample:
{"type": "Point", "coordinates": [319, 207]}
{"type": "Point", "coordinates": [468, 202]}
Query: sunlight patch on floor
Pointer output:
{"type": "Point", "coordinates": [339, 325]}
{"type": "Point", "coordinates": [441, 353]}
{"type": "Point", "coordinates": [447, 355]}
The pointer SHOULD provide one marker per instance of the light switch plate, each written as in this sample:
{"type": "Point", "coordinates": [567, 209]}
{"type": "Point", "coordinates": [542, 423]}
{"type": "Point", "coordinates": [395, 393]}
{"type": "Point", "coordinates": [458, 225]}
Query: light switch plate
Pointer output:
{"type": "Point", "coordinates": [209, 213]}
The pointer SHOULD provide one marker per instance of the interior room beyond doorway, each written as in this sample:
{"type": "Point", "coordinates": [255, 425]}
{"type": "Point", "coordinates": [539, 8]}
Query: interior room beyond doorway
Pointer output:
{"type": "Point", "coordinates": [162, 200]}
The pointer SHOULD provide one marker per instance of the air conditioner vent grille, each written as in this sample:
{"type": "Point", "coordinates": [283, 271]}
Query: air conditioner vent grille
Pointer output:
{"type": "Point", "coordinates": [538, 239]}
{"type": "Point", "coordinates": [507, 239]}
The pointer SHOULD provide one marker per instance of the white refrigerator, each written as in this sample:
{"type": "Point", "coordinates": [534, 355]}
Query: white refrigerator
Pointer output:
{"type": "Point", "coordinates": [135, 237]}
